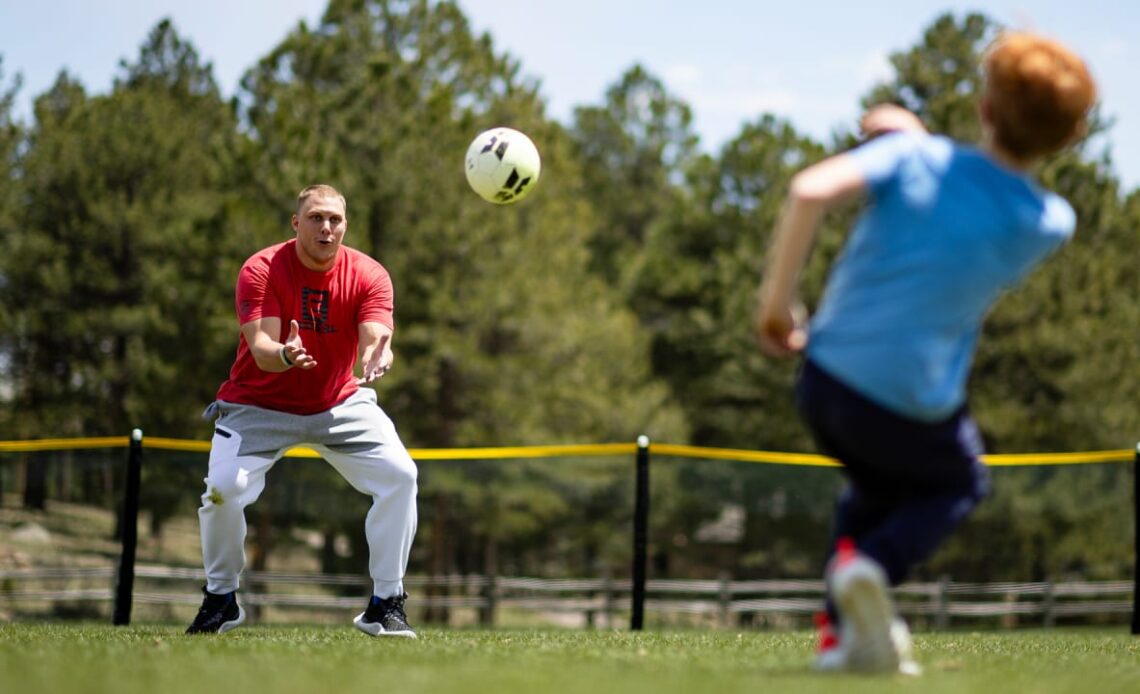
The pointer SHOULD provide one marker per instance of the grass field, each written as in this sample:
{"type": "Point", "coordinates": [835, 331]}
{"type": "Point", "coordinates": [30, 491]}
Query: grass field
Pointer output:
{"type": "Point", "coordinates": [46, 658]}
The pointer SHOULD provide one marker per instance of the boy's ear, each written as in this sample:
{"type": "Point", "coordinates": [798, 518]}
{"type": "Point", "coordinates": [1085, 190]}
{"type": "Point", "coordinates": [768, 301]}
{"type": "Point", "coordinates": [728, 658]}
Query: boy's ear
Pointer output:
{"type": "Point", "coordinates": [985, 110]}
{"type": "Point", "coordinates": [1080, 130]}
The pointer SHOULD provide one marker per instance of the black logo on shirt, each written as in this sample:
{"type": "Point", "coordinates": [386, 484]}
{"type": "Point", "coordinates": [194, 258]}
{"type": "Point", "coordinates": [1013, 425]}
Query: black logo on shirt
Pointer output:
{"type": "Point", "coordinates": [315, 310]}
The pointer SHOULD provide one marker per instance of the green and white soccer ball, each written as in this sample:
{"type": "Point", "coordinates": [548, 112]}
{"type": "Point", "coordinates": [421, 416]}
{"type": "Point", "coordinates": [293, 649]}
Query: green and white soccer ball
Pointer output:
{"type": "Point", "coordinates": [502, 165]}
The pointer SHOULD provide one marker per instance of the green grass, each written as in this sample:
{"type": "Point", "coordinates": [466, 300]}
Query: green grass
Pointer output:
{"type": "Point", "coordinates": [43, 658]}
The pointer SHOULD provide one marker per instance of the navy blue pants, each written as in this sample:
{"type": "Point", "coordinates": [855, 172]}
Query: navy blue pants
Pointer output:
{"type": "Point", "coordinates": [910, 483]}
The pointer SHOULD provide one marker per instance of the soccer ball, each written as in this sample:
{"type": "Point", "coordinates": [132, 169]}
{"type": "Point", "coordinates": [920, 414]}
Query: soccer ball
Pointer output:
{"type": "Point", "coordinates": [502, 165]}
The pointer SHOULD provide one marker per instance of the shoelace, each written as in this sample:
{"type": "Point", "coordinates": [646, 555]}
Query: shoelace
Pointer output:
{"type": "Point", "coordinates": [394, 607]}
{"type": "Point", "coordinates": [387, 607]}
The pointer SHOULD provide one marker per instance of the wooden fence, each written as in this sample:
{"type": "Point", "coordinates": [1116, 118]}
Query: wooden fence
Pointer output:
{"type": "Point", "coordinates": [598, 602]}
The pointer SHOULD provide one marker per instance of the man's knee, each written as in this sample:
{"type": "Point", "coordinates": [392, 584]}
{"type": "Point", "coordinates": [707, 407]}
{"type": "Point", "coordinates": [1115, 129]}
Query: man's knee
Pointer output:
{"type": "Point", "coordinates": [225, 488]}
{"type": "Point", "coordinates": [406, 472]}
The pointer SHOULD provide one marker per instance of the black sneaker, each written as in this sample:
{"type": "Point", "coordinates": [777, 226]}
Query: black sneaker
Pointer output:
{"type": "Point", "coordinates": [385, 617]}
{"type": "Point", "coordinates": [218, 614]}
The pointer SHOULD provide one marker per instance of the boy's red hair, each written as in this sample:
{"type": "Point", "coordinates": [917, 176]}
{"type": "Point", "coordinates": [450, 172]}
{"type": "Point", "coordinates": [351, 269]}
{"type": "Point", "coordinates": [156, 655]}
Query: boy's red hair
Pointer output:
{"type": "Point", "coordinates": [1039, 94]}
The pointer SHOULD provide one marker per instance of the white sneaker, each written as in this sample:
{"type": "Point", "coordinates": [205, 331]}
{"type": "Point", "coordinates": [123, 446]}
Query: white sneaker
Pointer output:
{"type": "Point", "coordinates": [831, 654]}
{"type": "Point", "coordinates": [900, 637]}
{"type": "Point", "coordinates": [385, 617]}
{"type": "Point", "coordinates": [859, 587]}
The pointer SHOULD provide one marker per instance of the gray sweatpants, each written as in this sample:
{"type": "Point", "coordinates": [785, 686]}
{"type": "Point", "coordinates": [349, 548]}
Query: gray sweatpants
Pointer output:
{"type": "Point", "coordinates": [356, 437]}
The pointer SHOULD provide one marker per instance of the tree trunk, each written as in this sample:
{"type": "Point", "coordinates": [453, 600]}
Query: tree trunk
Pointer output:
{"type": "Point", "coordinates": [491, 571]}
{"type": "Point", "coordinates": [439, 560]}
{"type": "Point", "coordinates": [328, 551]}
{"type": "Point", "coordinates": [438, 566]}
{"type": "Point", "coordinates": [262, 545]}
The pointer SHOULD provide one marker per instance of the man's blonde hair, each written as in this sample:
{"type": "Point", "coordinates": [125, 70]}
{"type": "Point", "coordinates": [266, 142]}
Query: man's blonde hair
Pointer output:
{"type": "Point", "coordinates": [1040, 94]}
{"type": "Point", "coordinates": [320, 190]}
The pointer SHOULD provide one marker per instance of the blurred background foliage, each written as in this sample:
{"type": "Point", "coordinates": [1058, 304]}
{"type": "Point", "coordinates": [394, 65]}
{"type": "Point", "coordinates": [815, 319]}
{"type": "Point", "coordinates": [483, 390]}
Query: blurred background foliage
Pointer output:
{"type": "Point", "coordinates": [613, 302]}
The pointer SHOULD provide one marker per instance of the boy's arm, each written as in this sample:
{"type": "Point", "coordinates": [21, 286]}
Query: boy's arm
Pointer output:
{"type": "Point", "coordinates": [779, 318]}
{"type": "Point", "coordinates": [889, 118]}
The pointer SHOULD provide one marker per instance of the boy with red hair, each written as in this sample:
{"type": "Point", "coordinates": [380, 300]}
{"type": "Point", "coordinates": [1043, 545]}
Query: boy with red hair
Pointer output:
{"type": "Point", "coordinates": [882, 387]}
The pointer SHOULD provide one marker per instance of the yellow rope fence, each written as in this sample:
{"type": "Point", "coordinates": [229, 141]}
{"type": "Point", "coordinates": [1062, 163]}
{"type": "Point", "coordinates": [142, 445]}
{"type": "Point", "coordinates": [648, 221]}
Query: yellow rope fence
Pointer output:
{"type": "Point", "coordinates": [583, 450]}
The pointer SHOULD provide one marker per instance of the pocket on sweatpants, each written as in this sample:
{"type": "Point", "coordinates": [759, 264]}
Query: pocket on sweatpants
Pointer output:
{"type": "Point", "coordinates": [225, 443]}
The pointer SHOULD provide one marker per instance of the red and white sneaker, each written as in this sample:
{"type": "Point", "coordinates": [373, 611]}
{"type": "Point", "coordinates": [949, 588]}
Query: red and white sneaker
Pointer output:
{"type": "Point", "coordinates": [858, 585]}
{"type": "Point", "coordinates": [831, 656]}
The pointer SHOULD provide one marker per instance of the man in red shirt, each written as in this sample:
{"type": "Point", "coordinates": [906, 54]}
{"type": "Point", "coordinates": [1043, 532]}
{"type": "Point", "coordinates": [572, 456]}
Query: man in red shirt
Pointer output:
{"type": "Point", "coordinates": [309, 309]}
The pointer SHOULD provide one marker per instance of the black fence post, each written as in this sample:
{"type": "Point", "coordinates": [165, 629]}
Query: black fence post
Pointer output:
{"type": "Point", "coordinates": [130, 529]}
{"type": "Point", "coordinates": [640, 534]}
{"type": "Point", "coordinates": [1136, 542]}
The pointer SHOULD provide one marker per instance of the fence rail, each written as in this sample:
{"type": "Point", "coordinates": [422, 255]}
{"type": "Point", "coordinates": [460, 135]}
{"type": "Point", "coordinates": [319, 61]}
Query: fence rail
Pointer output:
{"type": "Point", "coordinates": [725, 602]}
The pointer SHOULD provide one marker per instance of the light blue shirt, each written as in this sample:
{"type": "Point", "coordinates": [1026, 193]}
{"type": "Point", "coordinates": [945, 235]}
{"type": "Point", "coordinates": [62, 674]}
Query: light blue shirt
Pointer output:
{"type": "Point", "coordinates": [945, 232]}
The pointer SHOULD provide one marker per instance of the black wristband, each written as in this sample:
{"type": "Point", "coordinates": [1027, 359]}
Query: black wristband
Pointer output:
{"type": "Point", "coordinates": [284, 357]}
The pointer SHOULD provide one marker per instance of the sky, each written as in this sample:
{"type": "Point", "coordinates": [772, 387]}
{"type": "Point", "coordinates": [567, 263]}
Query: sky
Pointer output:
{"type": "Point", "coordinates": [806, 61]}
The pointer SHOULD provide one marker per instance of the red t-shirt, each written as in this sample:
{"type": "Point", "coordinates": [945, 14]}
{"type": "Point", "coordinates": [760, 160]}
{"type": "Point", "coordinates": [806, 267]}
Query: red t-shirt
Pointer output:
{"type": "Point", "coordinates": [328, 306]}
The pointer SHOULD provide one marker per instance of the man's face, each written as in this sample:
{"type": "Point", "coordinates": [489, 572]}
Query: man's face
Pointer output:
{"type": "Point", "coordinates": [320, 227]}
